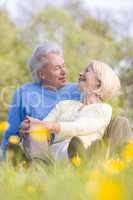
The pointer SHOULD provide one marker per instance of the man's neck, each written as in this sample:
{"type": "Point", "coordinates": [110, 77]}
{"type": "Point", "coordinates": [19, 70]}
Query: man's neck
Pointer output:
{"type": "Point", "coordinates": [51, 87]}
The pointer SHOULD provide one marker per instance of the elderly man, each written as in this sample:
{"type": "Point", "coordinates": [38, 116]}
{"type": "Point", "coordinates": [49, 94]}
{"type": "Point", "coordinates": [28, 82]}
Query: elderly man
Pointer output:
{"type": "Point", "coordinates": [49, 87]}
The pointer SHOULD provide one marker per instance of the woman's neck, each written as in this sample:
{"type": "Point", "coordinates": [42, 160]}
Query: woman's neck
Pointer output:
{"type": "Point", "coordinates": [89, 99]}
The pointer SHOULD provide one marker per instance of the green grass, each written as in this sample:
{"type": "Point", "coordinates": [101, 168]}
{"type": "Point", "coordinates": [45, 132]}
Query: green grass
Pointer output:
{"type": "Point", "coordinates": [63, 181]}
{"type": "Point", "coordinates": [98, 179]}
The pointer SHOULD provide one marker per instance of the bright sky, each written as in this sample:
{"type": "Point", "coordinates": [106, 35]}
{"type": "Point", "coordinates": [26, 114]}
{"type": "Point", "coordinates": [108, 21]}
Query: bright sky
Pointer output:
{"type": "Point", "coordinates": [114, 5]}
{"type": "Point", "coordinates": [110, 4]}
{"type": "Point", "coordinates": [107, 4]}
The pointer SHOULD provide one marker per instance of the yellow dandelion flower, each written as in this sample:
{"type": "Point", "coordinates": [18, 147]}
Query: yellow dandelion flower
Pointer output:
{"type": "Point", "coordinates": [76, 161]}
{"type": "Point", "coordinates": [14, 139]}
{"type": "Point", "coordinates": [25, 164]}
{"type": "Point", "coordinates": [127, 152]}
{"type": "Point", "coordinates": [110, 189]}
{"type": "Point", "coordinates": [3, 126]}
{"type": "Point", "coordinates": [39, 133]}
{"type": "Point", "coordinates": [30, 189]}
{"type": "Point", "coordinates": [114, 165]}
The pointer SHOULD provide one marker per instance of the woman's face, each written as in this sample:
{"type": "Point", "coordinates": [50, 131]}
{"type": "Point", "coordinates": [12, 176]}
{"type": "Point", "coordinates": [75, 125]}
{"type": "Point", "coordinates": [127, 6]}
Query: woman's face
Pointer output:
{"type": "Point", "coordinates": [88, 80]}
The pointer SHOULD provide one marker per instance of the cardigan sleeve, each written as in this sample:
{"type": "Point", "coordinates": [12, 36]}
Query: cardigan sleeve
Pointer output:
{"type": "Point", "coordinates": [54, 114]}
{"type": "Point", "coordinates": [96, 118]}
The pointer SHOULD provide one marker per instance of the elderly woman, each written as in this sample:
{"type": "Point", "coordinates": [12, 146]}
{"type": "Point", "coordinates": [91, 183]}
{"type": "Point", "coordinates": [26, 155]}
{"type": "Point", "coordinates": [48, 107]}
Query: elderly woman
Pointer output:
{"type": "Point", "coordinates": [86, 119]}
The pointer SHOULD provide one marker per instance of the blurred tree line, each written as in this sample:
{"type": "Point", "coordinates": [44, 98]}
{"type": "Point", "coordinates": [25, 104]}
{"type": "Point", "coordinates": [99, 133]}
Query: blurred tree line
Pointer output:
{"type": "Point", "coordinates": [82, 37]}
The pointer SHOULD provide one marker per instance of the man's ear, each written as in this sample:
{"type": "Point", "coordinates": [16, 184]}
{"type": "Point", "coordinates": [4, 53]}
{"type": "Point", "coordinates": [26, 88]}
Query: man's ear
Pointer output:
{"type": "Point", "coordinates": [40, 74]}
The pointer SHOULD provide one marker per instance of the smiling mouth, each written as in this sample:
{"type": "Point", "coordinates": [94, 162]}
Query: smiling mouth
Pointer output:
{"type": "Point", "coordinates": [62, 78]}
{"type": "Point", "coordinates": [81, 79]}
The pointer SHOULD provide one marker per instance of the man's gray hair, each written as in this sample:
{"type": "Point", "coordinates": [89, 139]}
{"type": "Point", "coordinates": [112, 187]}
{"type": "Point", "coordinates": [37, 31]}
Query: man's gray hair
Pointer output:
{"type": "Point", "coordinates": [39, 57]}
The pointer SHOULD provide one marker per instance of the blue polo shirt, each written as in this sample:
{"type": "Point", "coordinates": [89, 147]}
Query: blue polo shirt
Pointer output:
{"type": "Point", "coordinates": [35, 100]}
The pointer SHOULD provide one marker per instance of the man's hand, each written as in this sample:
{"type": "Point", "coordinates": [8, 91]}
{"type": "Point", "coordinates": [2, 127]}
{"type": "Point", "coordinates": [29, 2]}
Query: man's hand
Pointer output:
{"type": "Point", "coordinates": [24, 128]}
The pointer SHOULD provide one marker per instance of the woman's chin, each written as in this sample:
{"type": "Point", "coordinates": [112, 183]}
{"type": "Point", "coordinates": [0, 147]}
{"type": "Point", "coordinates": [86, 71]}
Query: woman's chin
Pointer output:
{"type": "Point", "coordinates": [81, 86]}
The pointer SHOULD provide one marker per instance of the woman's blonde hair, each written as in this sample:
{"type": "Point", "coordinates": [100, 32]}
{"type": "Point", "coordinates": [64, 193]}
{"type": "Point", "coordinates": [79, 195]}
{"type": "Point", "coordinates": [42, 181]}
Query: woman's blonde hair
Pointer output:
{"type": "Point", "coordinates": [109, 81]}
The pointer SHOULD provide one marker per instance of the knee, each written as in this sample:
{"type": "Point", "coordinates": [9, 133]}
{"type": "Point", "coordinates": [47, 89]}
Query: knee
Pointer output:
{"type": "Point", "coordinates": [122, 121]}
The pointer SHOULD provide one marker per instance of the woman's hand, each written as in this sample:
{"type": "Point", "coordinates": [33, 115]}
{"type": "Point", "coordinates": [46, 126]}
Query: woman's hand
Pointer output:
{"type": "Point", "coordinates": [51, 126]}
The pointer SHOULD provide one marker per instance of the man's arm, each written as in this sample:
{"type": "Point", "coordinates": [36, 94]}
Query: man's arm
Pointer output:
{"type": "Point", "coordinates": [15, 116]}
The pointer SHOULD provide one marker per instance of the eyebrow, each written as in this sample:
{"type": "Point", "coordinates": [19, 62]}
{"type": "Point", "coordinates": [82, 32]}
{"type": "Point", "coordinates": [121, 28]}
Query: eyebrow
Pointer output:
{"type": "Point", "coordinates": [89, 67]}
{"type": "Point", "coordinates": [60, 65]}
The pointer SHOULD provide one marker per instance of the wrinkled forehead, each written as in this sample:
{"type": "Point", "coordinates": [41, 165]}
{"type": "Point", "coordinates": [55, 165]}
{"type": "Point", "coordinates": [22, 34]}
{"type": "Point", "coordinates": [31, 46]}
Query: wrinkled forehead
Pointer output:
{"type": "Point", "coordinates": [55, 59]}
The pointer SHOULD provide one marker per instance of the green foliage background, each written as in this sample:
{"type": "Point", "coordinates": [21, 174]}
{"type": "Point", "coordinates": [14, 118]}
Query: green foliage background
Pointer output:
{"type": "Point", "coordinates": [81, 41]}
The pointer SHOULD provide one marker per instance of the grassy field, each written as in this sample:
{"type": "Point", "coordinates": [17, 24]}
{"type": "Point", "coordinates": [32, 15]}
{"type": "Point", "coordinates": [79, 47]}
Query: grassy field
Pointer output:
{"type": "Point", "coordinates": [99, 179]}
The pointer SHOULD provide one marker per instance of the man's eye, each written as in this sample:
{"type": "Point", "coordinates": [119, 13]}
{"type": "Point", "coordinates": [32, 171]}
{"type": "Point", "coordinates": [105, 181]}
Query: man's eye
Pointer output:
{"type": "Point", "coordinates": [57, 67]}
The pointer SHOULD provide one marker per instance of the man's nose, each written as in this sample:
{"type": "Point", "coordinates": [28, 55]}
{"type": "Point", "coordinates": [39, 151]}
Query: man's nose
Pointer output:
{"type": "Point", "coordinates": [63, 70]}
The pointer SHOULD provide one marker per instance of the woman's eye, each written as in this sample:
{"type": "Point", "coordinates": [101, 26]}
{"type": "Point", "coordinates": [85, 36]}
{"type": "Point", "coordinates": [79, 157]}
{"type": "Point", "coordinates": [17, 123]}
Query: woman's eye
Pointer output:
{"type": "Point", "coordinates": [88, 69]}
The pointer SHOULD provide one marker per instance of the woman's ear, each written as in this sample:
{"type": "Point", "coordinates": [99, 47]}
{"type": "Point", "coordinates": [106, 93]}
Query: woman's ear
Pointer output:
{"type": "Point", "coordinates": [98, 84]}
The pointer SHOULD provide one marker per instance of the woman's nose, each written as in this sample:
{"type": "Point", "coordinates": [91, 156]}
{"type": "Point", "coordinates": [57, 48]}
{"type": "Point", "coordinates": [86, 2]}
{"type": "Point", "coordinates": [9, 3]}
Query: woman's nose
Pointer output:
{"type": "Point", "coordinates": [81, 75]}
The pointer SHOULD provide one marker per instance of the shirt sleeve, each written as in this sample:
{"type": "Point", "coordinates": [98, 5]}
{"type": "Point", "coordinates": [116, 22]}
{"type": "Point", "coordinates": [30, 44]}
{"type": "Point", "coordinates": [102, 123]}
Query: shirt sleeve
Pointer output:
{"type": "Point", "coordinates": [54, 114]}
{"type": "Point", "coordinates": [93, 121]}
{"type": "Point", "coordinates": [15, 116]}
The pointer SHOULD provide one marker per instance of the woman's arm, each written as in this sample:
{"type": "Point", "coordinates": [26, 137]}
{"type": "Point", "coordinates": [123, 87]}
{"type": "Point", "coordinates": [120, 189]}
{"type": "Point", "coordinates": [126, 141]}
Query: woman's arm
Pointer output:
{"type": "Point", "coordinates": [50, 121]}
{"type": "Point", "coordinates": [96, 118]}
{"type": "Point", "coordinates": [51, 126]}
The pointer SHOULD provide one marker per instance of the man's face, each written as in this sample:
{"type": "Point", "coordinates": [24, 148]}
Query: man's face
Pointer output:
{"type": "Point", "coordinates": [55, 73]}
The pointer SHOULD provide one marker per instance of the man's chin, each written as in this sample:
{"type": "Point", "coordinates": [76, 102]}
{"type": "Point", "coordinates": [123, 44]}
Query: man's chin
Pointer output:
{"type": "Point", "coordinates": [62, 84]}
{"type": "Point", "coordinates": [64, 81]}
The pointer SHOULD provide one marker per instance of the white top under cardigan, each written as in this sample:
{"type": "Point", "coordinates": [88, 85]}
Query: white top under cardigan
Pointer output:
{"type": "Point", "coordinates": [88, 122]}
